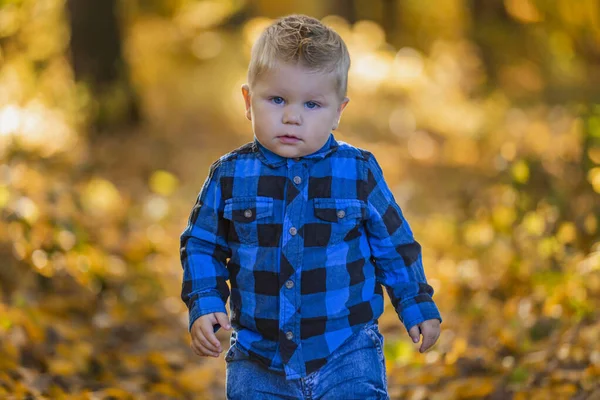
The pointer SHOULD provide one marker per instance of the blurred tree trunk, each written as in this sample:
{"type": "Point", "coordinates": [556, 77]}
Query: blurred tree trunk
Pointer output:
{"type": "Point", "coordinates": [490, 24]}
{"type": "Point", "coordinates": [389, 16]}
{"type": "Point", "coordinates": [98, 62]}
{"type": "Point", "coordinates": [345, 9]}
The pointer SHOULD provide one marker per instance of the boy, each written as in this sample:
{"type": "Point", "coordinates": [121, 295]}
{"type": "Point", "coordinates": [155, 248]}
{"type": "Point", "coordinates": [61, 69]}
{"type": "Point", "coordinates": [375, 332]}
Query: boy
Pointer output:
{"type": "Point", "coordinates": [306, 230]}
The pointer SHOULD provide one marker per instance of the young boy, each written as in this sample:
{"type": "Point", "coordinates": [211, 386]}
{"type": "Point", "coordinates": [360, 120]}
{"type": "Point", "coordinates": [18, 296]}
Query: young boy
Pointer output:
{"type": "Point", "coordinates": [306, 230]}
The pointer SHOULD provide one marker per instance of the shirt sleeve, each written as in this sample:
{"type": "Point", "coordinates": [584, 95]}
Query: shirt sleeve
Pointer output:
{"type": "Point", "coordinates": [396, 254]}
{"type": "Point", "coordinates": [204, 252]}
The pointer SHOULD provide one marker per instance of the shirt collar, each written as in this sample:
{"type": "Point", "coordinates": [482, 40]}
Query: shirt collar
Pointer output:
{"type": "Point", "coordinates": [275, 160]}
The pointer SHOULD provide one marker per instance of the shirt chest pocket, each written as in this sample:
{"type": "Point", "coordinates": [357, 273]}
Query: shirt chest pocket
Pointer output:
{"type": "Point", "coordinates": [338, 219]}
{"type": "Point", "coordinates": [247, 214]}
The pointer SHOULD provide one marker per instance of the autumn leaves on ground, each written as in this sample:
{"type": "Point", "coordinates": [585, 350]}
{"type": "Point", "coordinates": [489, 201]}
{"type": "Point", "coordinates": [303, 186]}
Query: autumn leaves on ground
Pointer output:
{"type": "Point", "coordinates": [494, 160]}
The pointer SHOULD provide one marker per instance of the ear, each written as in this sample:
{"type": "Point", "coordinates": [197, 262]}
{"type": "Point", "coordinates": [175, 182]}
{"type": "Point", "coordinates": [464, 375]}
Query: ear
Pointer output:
{"type": "Point", "coordinates": [246, 94]}
{"type": "Point", "coordinates": [341, 108]}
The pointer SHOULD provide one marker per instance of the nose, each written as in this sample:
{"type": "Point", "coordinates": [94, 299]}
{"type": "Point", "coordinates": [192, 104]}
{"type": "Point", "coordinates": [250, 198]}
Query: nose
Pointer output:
{"type": "Point", "coordinates": [291, 116]}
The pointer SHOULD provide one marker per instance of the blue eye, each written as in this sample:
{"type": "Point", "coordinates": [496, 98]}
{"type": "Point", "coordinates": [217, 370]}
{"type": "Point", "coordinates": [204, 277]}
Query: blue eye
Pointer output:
{"type": "Point", "coordinates": [277, 100]}
{"type": "Point", "coordinates": [311, 105]}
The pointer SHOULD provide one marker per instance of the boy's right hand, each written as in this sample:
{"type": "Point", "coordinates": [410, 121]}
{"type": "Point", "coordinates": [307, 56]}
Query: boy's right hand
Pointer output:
{"type": "Point", "coordinates": [204, 341]}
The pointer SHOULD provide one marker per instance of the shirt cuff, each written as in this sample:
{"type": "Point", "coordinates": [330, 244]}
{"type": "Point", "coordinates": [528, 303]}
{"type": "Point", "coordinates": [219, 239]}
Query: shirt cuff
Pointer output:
{"type": "Point", "coordinates": [206, 305]}
{"type": "Point", "coordinates": [412, 313]}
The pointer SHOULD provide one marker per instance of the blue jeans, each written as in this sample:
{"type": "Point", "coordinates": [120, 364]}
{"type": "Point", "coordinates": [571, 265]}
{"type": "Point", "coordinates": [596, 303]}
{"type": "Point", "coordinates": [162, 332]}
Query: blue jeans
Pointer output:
{"type": "Point", "coordinates": [355, 370]}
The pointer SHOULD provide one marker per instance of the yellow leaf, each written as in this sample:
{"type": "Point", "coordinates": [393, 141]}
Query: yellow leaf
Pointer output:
{"type": "Point", "coordinates": [476, 387]}
{"type": "Point", "coordinates": [132, 362]}
{"type": "Point", "coordinates": [590, 224]}
{"type": "Point", "coordinates": [520, 171]}
{"type": "Point", "coordinates": [116, 392]}
{"type": "Point", "coordinates": [57, 392]}
{"type": "Point", "coordinates": [157, 358]}
{"type": "Point", "coordinates": [34, 331]}
{"type": "Point", "coordinates": [524, 11]}
{"type": "Point", "coordinates": [594, 178]}
{"type": "Point", "coordinates": [568, 389]}
{"type": "Point", "coordinates": [594, 154]}
{"type": "Point", "coordinates": [534, 223]}
{"type": "Point", "coordinates": [478, 233]}
{"type": "Point", "coordinates": [196, 379]}
{"type": "Point", "coordinates": [101, 198]}
{"type": "Point", "coordinates": [567, 232]}
{"type": "Point", "coordinates": [163, 182]}
{"type": "Point", "coordinates": [458, 348]}
{"type": "Point", "coordinates": [4, 196]}
{"type": "Point", "coordinates": [547, 247]}
{"type": "Point", "coordinates": [504, 216]}
{"type": "Point", "coordinates": [164, 389]}
{"type": "Point", "coordinates": [5, 379]}
{"type": "Point", "coordinates": [61, 367]}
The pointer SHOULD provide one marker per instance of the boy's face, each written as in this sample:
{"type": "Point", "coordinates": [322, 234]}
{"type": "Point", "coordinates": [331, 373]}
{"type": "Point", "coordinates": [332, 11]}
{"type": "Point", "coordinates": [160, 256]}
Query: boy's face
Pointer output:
{"type": "Point", "coordinates": [292, 109]}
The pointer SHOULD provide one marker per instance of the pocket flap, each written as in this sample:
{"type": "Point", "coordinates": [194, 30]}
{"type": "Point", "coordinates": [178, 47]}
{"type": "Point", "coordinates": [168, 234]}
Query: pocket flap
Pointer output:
{"type": "Point", "coordinates": [338, 210]}
{"type": "Point", "coordinates": [248, 209]}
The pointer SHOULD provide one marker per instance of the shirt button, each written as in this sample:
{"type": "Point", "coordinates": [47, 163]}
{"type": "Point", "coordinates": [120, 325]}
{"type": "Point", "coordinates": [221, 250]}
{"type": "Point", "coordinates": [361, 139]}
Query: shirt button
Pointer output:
{"type": "Point", "coordinates": [341, 214]}
{"type": "Point", "coordinates": [248, 213]}
{"type": "Point", "coordinates": [289, 284]}
{"type": "Point", "coordinates": [297, 180]}
{"type": "Point", "coordinates": [289, 335]}
{"type": "Point", "coordinates": [293, 231]}
{"type": "Point", "coordinates": [296, 158]}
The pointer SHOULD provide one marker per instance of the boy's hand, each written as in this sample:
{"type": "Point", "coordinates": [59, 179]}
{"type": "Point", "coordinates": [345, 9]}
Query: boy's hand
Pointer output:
{"type": "Point", "coordinates": [204, 340]}
{"type": "Point", "coordinates": [430, 330]}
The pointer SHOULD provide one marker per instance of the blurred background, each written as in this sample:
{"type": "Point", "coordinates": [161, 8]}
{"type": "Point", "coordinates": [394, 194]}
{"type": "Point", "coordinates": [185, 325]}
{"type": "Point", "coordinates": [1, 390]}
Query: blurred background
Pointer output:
{"type": "Point", "coordinates": [485, 116]}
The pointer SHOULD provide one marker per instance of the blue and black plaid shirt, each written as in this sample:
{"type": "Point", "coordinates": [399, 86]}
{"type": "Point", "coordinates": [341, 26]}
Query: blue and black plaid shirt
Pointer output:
{"type": "Point", "coordinates": [306, 244]}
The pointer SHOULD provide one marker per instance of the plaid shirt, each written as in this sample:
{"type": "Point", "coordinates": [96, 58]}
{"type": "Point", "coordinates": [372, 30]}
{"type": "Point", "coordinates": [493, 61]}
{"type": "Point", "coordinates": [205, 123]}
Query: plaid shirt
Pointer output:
{"type": "Point", "coordinates": [306, 244]}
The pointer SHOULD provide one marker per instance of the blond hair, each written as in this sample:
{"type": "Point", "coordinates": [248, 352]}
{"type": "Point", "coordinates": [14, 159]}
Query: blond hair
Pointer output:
{"type": "Point", "coordinates": [305, 40]}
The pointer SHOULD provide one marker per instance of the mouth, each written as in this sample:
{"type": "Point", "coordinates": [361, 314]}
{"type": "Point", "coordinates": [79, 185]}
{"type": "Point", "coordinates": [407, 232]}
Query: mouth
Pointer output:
{"type": "Point", "coordinates": [289, 136]}
{"type": "Point", "coordinates": [288, 139]}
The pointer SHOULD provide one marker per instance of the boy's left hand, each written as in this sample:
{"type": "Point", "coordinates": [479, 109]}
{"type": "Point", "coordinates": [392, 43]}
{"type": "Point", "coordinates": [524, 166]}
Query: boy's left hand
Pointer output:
{"type": "Point", "coordinates": [430, 330]}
